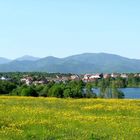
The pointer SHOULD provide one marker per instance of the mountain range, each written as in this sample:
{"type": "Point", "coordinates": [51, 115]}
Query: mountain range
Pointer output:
{"type": "Point", "coordinates": [27, 58]}
{"type": "Point", "coordinates": [4, 60]}
{"type": "Point", "coordinates": [80, 64]}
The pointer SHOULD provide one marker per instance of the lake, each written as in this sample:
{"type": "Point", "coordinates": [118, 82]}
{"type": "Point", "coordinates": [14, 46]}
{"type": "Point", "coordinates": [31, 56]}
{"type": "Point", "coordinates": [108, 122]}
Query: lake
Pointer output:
{"type": "Point", "coordinates": [130, 93]}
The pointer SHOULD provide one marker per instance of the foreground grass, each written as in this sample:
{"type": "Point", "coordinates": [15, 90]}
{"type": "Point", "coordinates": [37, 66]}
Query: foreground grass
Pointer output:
{"type": "Point", "coordinates": [68, 119]}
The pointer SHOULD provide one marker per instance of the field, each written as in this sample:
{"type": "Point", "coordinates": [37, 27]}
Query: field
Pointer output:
{"type": "Point", "coordinates": [26, 118]}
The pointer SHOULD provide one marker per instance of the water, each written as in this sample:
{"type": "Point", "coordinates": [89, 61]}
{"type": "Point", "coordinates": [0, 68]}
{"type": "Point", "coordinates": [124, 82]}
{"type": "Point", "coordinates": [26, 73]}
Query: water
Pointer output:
{"type": "Point", "coordinates": [130, 93]}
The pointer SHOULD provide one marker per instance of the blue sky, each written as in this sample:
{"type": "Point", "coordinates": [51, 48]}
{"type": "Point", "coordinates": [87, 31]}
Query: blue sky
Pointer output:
{"type": "Point", "coordinates": [66, 27]}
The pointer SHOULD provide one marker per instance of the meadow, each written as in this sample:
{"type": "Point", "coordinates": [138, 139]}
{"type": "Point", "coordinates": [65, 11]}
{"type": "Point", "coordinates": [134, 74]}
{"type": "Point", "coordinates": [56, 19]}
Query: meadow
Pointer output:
{"type": "Point", "coordinates": [28, 118]}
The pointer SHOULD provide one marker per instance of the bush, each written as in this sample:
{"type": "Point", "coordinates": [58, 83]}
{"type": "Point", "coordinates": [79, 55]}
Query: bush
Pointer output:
{"type": "Point", "coordinates": [67, 93]}
{"type": "Point", "coordinates": [29, 91]}
{"type": "Point", "coordinates": [25, 91]}
{"type": "Point", "coordinates": [56, 91]}
{"type": "Point", "coordinates": [44, 92]}
{"type": "Point", "coordinates": [6, 87]}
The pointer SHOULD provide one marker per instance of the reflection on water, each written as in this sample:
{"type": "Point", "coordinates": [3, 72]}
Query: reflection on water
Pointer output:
{"type": "Point", "coordinates": [130, 93]}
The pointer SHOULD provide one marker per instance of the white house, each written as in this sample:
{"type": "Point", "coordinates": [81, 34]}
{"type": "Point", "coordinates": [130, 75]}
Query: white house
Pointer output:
{"type": "Point", "coordinates": [75, 77]}
{"type": "Point", "coordinates": [27, 80]}
{"type": "Point", "coordinates": [115, 75]}
{"type": "Point", "coordinates": [123, 75]}
{"type": "Point", "coordinates": [3, 78]}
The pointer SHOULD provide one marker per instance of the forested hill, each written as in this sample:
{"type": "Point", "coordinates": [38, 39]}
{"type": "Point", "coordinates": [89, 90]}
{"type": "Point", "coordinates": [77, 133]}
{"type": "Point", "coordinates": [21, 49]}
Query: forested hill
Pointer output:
{"type": "Point", "coordinates": [82, 63]}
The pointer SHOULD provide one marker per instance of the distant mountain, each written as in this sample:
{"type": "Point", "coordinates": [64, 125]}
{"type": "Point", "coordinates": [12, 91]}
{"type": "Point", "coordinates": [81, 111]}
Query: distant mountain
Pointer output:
{"type": "Point", "coordinates": [4, 60]}
{"type": "Point", "coordinates": [82, 63]}
{"type": "Point", "coordinates": [27, 58]}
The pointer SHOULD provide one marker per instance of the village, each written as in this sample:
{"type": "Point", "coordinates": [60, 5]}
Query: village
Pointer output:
{"type": "Point", "coordinates": [36, 80]}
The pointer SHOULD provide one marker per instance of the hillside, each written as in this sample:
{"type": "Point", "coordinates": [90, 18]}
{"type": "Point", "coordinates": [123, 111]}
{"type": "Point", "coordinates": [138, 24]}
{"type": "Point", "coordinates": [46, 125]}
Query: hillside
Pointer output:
{"type": "Point", "coordinates": [83, 63]}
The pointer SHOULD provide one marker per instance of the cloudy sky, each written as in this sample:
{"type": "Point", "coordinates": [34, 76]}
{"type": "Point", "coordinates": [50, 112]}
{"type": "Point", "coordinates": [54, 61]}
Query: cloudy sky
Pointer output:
{"type": "Point", "coordinates": [67, 27]}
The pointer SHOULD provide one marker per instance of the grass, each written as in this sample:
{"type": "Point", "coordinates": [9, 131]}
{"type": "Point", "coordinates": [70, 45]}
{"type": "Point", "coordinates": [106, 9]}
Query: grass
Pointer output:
{"type": "Point", "coordinates": [27, 118]}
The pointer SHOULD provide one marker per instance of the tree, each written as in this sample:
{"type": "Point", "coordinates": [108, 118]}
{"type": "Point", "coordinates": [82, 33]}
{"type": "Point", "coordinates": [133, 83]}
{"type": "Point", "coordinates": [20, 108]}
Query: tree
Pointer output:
{"type": "Point", "coordinates": [117, 93]}
{"type": "Point", "coordinates": [29, 91]}
{"type": "Point", "coordinates": [55, 91]}
{"type": "Point", "coordinates": [45, 91]}
{"type": "Point", "coordinates": [89, 91]}
{"type": "Point", "coordinates": [6, 87]}
{"type": "Point", "coordinates": [67, 93]}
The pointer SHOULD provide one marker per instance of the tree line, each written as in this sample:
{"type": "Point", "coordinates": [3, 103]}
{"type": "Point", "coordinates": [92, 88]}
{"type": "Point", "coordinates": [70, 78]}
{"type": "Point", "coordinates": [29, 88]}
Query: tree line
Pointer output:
{"type": "Point", "coordinates": [71, 89]}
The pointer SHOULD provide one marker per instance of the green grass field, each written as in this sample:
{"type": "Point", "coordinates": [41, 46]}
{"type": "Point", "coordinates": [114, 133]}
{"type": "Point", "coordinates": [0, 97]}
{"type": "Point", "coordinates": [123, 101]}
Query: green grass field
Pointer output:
{"type": "Point", "coordinates": [29, 118]}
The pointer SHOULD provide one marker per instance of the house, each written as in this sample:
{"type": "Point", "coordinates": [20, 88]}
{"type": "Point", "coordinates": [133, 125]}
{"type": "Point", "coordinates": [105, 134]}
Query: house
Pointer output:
{"type": "Point", "coordinates": [86, 77]}
{"type": "Point", "coordinates": [96, 76]}
{"type": "Point", "coordinates": [3, 78]}
{"type": "Point", "coordinates": [92, 77]}
{"type": "Point", "coordinates": [106, 76]}
{"type": "Point", "coordinates": [64, 79]}
{"type": "Point", "coordinates": [123, 75]}
{"type": "Point", "coordinates": [75, 77]}
{"type": "Point", "coordinates": [136, 75]}
{"type": "Point", "coordinates": [115, 75]}
{"type": "Point", "coordinates": [56, 80]}
{"type": "Point", "coordinates": [27, 80]}
{"type": "Point", "coordinates": [40, 82]}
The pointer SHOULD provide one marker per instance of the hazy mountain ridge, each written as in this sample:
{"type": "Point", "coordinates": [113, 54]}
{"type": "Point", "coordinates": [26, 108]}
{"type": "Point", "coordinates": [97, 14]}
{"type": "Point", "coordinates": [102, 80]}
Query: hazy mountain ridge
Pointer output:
{"type": "Point", "coordinates": [27, 57]}
{"type": "Point", "coordinates": [4, 60]}
{"type": "Point", "coordinates": [82, 63]}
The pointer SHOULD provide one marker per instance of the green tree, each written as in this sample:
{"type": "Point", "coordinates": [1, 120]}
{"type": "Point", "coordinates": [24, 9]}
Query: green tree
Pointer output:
{"type": "Point", "coordinates": [6, 87]}
{"type": "Point", "coordinates": [89, 91]}
{"type": "Point", "coordinates": [45, 91]}
{"type": "Point", "coordinates": [29, 91]}
{"type": "Point", "coordinates": [67, 93]}
{"type": "Point", "coordinates": [55, 91]}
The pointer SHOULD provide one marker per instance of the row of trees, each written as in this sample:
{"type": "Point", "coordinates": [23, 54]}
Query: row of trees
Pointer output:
{"type": "Point", "coordinates": [108, 88]}
{"type": "Point", "coordinates": [71, 89]}
{"type": "Point", "coordinates": [118, 82]}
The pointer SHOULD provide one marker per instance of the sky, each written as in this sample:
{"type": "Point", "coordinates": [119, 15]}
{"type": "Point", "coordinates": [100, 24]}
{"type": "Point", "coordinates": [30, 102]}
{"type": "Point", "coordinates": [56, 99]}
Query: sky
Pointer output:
{"type": "Point", "coordinates": [67, 27]}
